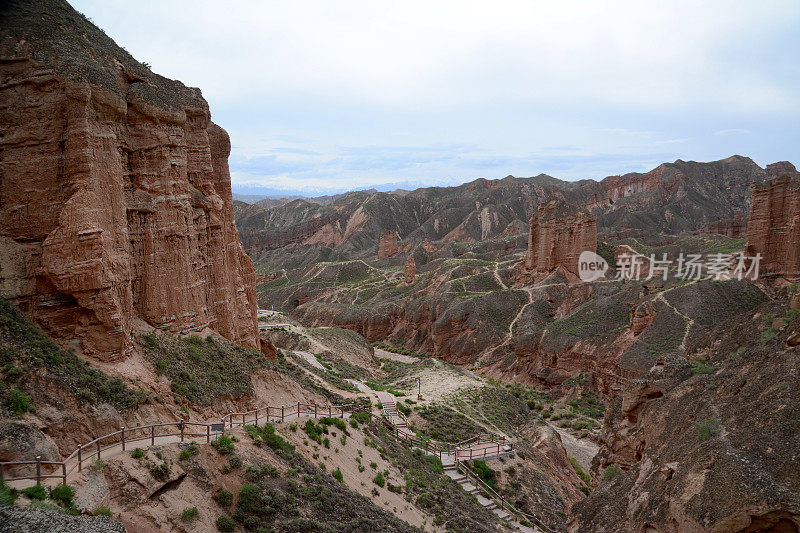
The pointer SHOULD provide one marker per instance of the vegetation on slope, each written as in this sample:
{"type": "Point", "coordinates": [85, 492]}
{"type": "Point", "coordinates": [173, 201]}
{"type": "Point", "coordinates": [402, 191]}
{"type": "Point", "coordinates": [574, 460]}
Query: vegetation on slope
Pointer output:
{"type": "Point", "coordinates": [27, 355]}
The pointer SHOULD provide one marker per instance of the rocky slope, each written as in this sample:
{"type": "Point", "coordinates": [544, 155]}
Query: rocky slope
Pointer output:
{"type": "Point", "coordinates": [116, 213]}
{"type": "Point", "coordinates": [707, 441]}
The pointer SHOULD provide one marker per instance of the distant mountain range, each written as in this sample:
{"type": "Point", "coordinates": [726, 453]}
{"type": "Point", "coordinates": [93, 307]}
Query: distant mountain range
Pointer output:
{"type": "Point", "coordinates": [674, 198]}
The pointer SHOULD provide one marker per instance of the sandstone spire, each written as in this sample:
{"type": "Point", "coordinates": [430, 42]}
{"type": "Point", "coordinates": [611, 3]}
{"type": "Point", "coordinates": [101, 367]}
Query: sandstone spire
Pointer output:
{"type": "Point", "coordinates": [410, 270]}
{"type": "Point", "coordinates": [558, 234]}
{"type": "Point", "coordinates": [388, 247]}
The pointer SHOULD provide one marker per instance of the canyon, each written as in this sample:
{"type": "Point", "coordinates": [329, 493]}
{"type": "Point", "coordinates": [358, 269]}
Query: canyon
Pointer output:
{"type": "Point", "coordinates": [135, 293]}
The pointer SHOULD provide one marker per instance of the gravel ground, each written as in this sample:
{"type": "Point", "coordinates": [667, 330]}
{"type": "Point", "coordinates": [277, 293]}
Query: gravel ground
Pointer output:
{"type": "Point", "coordinates": [92, 492]}
{"type": "Point", "coordinates": [32, 520]}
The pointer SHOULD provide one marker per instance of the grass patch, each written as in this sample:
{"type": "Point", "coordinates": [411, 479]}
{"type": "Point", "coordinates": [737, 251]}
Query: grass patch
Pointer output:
{"type": "Point", "coordinates": [708, 429]}
{"type": "Point", "coordinates": [586, 478]}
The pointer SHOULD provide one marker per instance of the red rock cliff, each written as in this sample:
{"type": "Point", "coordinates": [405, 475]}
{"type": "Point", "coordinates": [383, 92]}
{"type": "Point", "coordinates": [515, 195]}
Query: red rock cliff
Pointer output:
{"type": "Point", "coordinates": [115, 198]}
{"type": "Point", "coordinates": [774, 227]}
{"type": "Point", "coordinates": [558, 234]}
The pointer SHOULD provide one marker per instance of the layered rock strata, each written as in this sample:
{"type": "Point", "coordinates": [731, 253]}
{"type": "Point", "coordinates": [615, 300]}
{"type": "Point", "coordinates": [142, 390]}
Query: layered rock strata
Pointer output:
{"type": "Point", "coordinates": [115, 199]}
{"type": "Point", "coordinates": [774, 227]}
{"type": "Point", "coordinates": [558, 234]}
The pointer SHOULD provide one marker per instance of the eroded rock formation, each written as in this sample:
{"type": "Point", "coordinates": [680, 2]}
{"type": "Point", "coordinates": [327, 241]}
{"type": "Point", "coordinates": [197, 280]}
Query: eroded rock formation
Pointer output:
{"type": "Point", "coordinates": [558, 234]}
{"type": "Point", "coordinates": [388, 247]}
{"type": "Point", "coordinates": [410, 270]}
{"type": "Point", "coordinates": [774, 227]}
{"type": "Point", "coordinates": [115, 199]}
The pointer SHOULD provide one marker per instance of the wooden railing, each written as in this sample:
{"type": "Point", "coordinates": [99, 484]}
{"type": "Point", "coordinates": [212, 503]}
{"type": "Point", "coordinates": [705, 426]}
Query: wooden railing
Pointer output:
{"type": "Point", "coordinates": [504, 505]}
{"type": "Point", "coordinates": [93, 450]}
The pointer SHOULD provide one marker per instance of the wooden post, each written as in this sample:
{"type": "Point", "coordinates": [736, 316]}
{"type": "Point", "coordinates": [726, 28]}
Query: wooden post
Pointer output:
{"type": "Point", "coordinates": [243, 415]}
{"type": "Point", "coordinates": [281, 413]}
{"type": "Point", "coordinates": [2, 472]}
{"type": "Point", "coordinates": [80, 459]}
{"type": "Point", "coordinates": [38, 469]}
{"type": "Point", "coordinates": [98, 449]}
{"type": "Point", "coordinates": [257, 415]}
{"type": "Point", "coordinates": [329, 411]}
{"type": "Point", "coordinates": [181, 425]}
{"type": "Point", "coordinates": [208, 432]}
{"type": "Point", "coordinates": [298, 409]}
{"type": "Point", "coordinates": [123, 438]}
{"type": "Point", "coordinates": [152, 435]}
{"type": "Point", "coordinates": [64, 471]}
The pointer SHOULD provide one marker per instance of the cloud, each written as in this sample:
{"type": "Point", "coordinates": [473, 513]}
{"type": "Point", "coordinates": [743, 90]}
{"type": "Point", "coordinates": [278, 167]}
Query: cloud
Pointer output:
{"type": "Point", "coordinates": [732, 131]}
{"type": "Point", "coordinates": [352, 93]}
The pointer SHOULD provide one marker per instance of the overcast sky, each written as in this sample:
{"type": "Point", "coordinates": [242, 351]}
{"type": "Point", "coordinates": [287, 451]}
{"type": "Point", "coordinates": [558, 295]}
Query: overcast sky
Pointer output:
{"type": "Point", "coordinates": [326, 96]}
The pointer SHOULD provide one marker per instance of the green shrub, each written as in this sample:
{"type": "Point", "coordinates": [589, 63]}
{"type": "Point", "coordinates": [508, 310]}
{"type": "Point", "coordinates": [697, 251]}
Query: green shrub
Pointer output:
{"type": "Point", "coordinates": [102, 511]}
{"type": "Point", "coordinates": [379, 480]}
{"type": "Point", "coordinates": [333, 421]}
{"type": "Point", "coordinates": [612, 471]}
{"type": "Point", "coordinates": [708, 429]}
{"type": "Point", "coordinates": [373, 465]}
{"type": "Point", "coordinates": [362, 417]}
{"type": "Point", "coordinates": [36, 492]}
{"type": "Point", "coordinates": [337, 474]}
{"type": "Point", "coordinates": [62, 494]}
{"type": "Point", "coordinates": [226, 524]}
{"type": "Point", "coordinates": [160, 472]}
{"type": "Point", "coordinates": [224, 444]}
{"type": "Point", "coordinates": [19, 402]}
{"type": "Point", "coordinates": [234, 462]}
{"type": "Point", "coordinates": [137, 453]}
{"type": "Point", "coordinates": [486, 474]}
{"type": "Point", "coordinates": [248, 498]}
{"type": "Point", "coordinates": [313, 431]}
{"type": "Point", "coordinates": [7, 494]}
{"type": "Point", "coordinates": [189, 514]}
{"type": "Point", "coordinates": [223, 497]}
{"type": "Point", "coordinates": [404, 409]}
{"type": "Point", "coordinates": [98, 465]}
{"type": "Point", "coordinates": [189, 451]}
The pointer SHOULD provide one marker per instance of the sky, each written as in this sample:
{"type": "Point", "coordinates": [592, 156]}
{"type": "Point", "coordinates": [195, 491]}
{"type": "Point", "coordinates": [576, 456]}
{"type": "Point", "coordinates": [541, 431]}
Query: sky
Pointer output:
{"type": "Point", "coordinates": [321, 97]}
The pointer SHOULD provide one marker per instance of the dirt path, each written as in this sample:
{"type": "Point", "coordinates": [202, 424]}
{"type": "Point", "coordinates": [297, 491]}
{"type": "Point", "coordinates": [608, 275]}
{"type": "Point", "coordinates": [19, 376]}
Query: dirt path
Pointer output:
{"type": "Point", "coordinates": [498, 278]}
